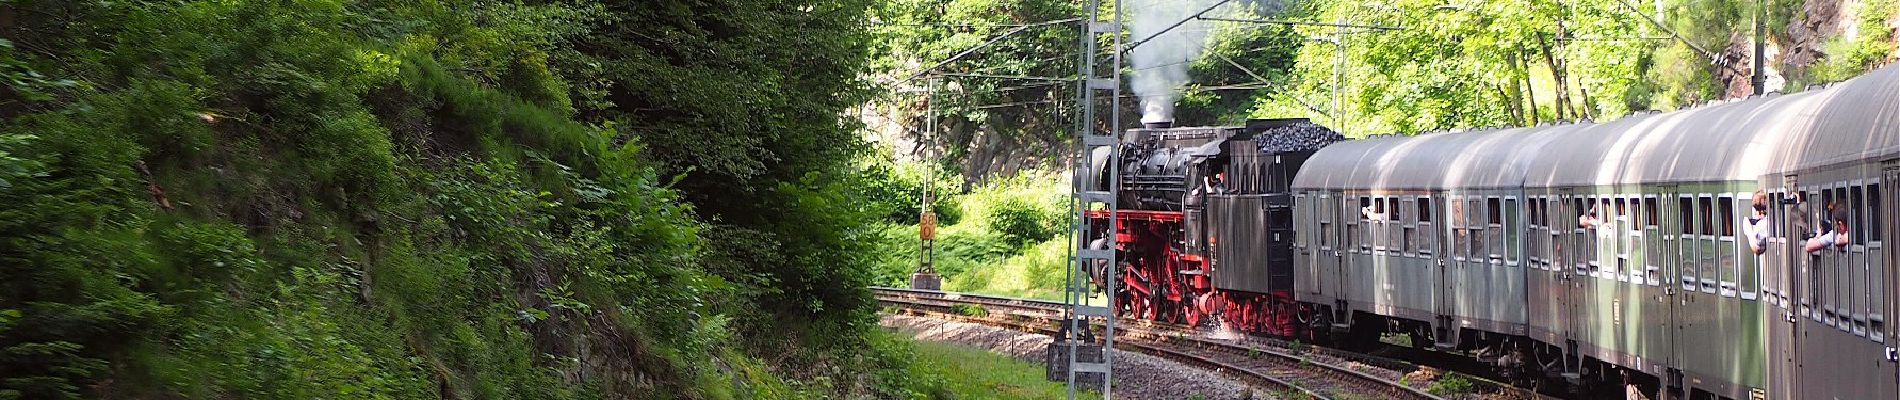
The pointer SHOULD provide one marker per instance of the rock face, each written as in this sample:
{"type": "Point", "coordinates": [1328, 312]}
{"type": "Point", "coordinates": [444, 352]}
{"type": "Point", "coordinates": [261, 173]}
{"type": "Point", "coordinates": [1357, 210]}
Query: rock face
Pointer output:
{"type": "Point", "coordinates": [1819, 20]}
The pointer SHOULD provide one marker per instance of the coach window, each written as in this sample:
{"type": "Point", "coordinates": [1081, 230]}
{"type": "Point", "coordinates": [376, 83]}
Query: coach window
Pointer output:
{"type": "Point", "coordinates": [1686, 263]}
{"type": "Point", "coordinates": [1364, 238]}
{"type": "Point", "coordinates": [1375, 226]}
{"type": "Point", "coordinates": [1652, 241]}
{"type": "Point", "coordinates": [1552, 236]}
{"type": "Point", "coordinates": [1876, 265]}
{"type": "Point", "coordinates": [1352, 214]}
{"type": "Point", "coordinates": [1299, 224]}
{"type": "Point", "coordinates": [1408, 236]}
{"type": "Point", "coordinates": [1395, 240]}
{"type": "Point", "coordinates": [1428, 237]}
{"type": "Point", "coordinates": [1709, 256]}
{"type": "Point", "coordinates": [1455, 224]}
{"type": "Point", "coordinates": [1816, 298]}
{"type": "Point", "coordinates": [1510, 231]}
{"type": "Point", "coordinates": [1859, 262]}
{"type": "Point", "coordinates": [1325, 206]}
{"type": "Point", "coordinates": [1745, 258]}
{"type": "Point", "coordinates": [1494, 229]}
{"type": "Point", "coordinates": [1394, 226]}
{"type": "Point", "coordinates": [1479, 220]}
{"type": "Point", "coordinates": [1534, 208]}
{"type": "Point", "coordinates": [1630, 230]}
{"type": "Point", "coordinates": [1736, 271]}
{"type": "Point", "coordinates": [1834, 298]}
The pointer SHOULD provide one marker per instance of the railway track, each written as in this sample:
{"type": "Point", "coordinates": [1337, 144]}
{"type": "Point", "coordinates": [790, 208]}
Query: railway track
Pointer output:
{"type": "Point", "coordinates": [1278, 366]}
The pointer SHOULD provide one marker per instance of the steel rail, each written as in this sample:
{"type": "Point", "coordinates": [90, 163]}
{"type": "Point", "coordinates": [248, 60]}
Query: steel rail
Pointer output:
{"type": "Point", "coordinates": [1145, 333]}
{"type": "Point", "coordinates": [1277, 370]}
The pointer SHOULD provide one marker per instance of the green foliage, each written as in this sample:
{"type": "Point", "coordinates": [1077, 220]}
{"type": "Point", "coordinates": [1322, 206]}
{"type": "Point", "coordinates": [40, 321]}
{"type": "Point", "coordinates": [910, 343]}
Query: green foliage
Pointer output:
{"type": "Point", "coordinates": [1870, 41]}
{"type": "Point", "coordinates": [975, 112]}
{"type": "Point", "coordinates": [1012, 241]}
{"type": "Point", "coordinates": [1494, 64]}
{"type": "Point", "coordinates": [895, 190]}
{"type": "Point", "coordinates": [1451, 384]}
{"type": "Point", "coordinates": [1021, 222]}
{"type": "Point", "coordinates": [444, 198]}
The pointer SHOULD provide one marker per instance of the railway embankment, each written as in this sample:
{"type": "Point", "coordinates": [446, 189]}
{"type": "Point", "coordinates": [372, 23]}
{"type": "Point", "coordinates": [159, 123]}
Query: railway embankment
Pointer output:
{"type": "Point", "coordinates": [1137, 375]}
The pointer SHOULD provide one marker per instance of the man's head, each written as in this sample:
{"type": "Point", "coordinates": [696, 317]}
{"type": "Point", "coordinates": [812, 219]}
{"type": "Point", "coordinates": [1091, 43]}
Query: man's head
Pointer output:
{"type": "Point", "coordinates": [1840, 220]}
{"type": "Point", "coordinates": [1761, 201]}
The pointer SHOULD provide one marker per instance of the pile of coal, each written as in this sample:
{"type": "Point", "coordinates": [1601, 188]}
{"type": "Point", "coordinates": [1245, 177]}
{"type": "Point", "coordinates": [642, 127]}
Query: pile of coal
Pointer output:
{"type": "Point", "coordinates": [1296, 138]}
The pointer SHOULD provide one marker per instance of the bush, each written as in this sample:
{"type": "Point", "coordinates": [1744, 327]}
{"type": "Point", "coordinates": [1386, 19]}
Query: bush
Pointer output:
{"type": "Point", "coordinates": [1021, 222]}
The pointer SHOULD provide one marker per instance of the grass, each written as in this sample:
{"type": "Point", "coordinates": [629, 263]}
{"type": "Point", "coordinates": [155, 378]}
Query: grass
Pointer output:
{"type": "Point", "coordinates": [1451, 384]}
{"type": "Point", "coordinates": [970, 310]}
{"type": "Point", "coordinates": [967, 373]}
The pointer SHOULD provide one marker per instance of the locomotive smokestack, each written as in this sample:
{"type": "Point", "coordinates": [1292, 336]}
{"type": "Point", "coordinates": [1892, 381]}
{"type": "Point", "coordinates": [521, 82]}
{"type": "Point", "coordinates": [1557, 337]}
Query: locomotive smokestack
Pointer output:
{"type": "Point", "coordinates": [1158, 125]}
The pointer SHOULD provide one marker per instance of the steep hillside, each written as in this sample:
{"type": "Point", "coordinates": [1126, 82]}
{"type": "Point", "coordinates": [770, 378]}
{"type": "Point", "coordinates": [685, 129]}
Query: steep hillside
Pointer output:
{"type": "Point", "coordinates": [433, 199]}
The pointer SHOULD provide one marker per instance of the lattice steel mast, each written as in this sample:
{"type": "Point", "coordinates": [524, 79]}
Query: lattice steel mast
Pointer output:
{"type": "Point", "coordinates": [1093, 199]}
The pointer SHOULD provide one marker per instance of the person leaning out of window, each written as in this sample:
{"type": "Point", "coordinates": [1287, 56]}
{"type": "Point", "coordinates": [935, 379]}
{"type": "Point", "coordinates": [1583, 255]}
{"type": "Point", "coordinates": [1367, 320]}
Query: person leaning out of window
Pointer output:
{"type": "Point", "coordinates": [1839, 237]}
{"type": "Point", "coordinates": [1758, 224]}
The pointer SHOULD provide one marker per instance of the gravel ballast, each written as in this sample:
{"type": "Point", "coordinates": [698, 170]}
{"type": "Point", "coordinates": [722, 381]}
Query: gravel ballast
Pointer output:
{"type": "Point", "coordinates": [1137, 376]}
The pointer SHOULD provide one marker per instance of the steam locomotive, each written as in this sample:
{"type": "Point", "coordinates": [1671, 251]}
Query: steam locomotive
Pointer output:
{"type": "Point", "coordinates": [1732, 250]}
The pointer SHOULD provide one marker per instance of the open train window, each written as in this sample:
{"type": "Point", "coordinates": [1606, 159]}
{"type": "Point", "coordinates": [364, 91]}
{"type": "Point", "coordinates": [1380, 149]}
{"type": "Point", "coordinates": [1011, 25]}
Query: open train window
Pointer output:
{"type": "Point", "coordinates": [1582, 207]}
{"type": "Point", "coordinates": [1534, 206]}
{"type": "Point", "coordinates": [1831, 199]}
{"type": "Point", "coordinates": [1427, 235]}
{"type": "Point", "coordinates": [1776, 214]}
{"type": "Point", "coordinates": [1494, 215]}
{"type": "Point", "coordinates": [1686, 212]}
{"type": "Point", "coordinates": [1726, 221]}
{"type": "Point", "coordinates": [1706, 205]}
{"type": "Point", "coordinates": [1731, 270]}
{"type": "Point", "coordinates": [1652, 241]}
{"type": "Point", "coordinates": [1858, 220]}
{"type": "Point", "coordinates": [1876, 266]}
{"type": "Point", "coordinates": [1874, 207]}
{"type": "Point", "coordinates": [1650, 209]}
{"type": "Point", "coordinates": [1748, 278]}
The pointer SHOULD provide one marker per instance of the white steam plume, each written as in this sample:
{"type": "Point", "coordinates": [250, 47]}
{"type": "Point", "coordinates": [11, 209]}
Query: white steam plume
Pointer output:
{"type": "Point", "coordinates": [1161, 64]}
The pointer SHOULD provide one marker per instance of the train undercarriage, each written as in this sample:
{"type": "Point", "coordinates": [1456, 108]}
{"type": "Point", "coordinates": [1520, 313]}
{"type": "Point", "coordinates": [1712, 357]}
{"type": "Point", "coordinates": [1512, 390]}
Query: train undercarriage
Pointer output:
{"type": "Point", "coordinates": [1158, 281]}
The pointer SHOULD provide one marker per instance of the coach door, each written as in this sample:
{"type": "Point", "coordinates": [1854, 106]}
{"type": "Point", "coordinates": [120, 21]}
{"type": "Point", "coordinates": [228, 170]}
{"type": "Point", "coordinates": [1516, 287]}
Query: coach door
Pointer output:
{"type": "Point", "coordinates": [1573, 264]}
{"type": "Point", "coordinates": [1778, 293]}
{"type": "Point", "coordinates": [1668, 253]}
{"type": "Point", "coordinates": [1455, 248]}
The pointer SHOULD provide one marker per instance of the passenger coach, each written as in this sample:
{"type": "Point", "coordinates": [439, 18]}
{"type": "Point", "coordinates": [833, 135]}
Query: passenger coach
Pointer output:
{"type": "Point", "coordinates": [1616, 253]}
